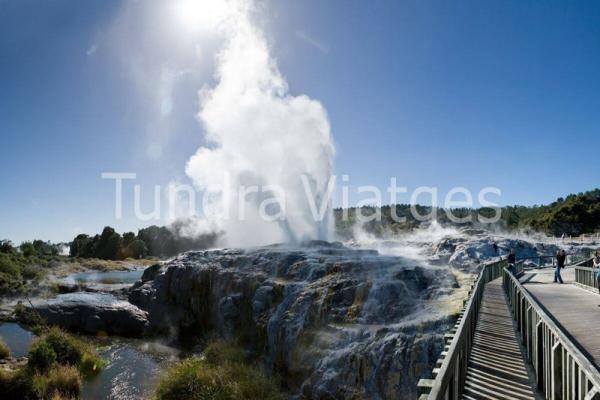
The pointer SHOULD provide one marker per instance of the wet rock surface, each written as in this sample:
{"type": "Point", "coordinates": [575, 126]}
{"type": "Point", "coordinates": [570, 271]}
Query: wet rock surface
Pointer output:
{"type": "Point", "coordinates": [333, 322]}
{"type": "Point", "coordinates": [93, 313]}
{"type": "Point", "coordinates": [11, 364]}
{"type": "Point", "coordinates": [468, 250]}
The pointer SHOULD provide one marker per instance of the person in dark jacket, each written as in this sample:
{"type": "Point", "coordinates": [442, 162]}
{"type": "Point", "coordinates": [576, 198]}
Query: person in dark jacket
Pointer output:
{"type": "Point", "coordinates": [596, 265]}
{"type": "Point", "coordinates": [511, 260]}
{"type": "Point", "coordinates": [561, 258]}
{"type": "Point", "coordinates": [512, 257]}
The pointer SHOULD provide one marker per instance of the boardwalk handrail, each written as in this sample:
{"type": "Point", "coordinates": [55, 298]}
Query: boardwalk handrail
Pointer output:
{"type": "Point", "coordinates": [449, 380]}
{"type": "Point", "coordinates": [543, 260]}
{"type": "Point", "coordinates": [561, 369]}
{"type": "Point", "coordinates": [585, 274]}
{"type": "Point", "coordinates": [550, 260]}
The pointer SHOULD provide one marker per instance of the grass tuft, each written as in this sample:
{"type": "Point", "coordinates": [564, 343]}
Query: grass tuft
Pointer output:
{"type": "Point", "coordinates": [63, 381]}
{"type": "Point", "coordinates": [4, 349]}
{"type": "Point", "coordinates": [224, 374]}
{"type": "Point", "coordinates": [70, 351]}
{"type": "Point", "coordinates": [41, 356]}
{"type": "Point", "coordinates": [222, 352]}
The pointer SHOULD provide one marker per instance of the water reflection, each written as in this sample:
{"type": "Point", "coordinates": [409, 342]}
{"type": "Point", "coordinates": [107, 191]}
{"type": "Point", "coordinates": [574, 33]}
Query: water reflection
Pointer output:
{"type": "Point", "coordinates": [17, 338]}
{"type": "Point", "coordinates": [132, 371]}
{"type": "Point", "coordinates": [106, 277]}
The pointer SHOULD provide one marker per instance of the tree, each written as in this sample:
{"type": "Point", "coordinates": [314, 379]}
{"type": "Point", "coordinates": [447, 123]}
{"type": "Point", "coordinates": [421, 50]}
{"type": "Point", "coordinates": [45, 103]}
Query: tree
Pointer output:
{"type": "Point", "coordinates": [6, 246]}
{"type": "Point", "coordinates": [136, 249]}
{"type": "Point", "coordinates": [159, 240]}
{"type": "Point", "coordinates": [44, 248]}
{"type": "Point", "coordinates": [108, 246]}
{"type": "Point", "coordinates": [27, 249]}
{"type": "Point", "coordinates": [80, 246]}
{"type": "Point", "coordinates": [128, 237]}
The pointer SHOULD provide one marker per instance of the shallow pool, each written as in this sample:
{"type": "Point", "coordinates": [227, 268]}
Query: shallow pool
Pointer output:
{"type": "Point", "coordinates": [17, 338]}
{"type": "Point", "coordinates": [105, 277]}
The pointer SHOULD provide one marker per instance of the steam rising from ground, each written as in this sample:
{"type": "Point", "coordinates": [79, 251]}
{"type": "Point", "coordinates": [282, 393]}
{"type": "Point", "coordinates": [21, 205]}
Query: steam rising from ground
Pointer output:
{"type": "Point", "coordinates": [260, 135]}
{"type": "Point", "coordinates": [414, 245]}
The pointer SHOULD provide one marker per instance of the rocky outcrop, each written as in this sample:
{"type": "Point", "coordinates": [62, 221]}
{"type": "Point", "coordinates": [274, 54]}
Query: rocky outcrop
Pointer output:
{"type": "Point", "coordinates": [334, 322]}
{"type": "Point", "coordinates": [93, 313]}
{"type": "Point", "coordinates": [469, 250]}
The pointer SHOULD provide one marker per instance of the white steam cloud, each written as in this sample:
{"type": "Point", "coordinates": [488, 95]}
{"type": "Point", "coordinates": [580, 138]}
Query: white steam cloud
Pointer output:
{"type": "Point", "coordinates": [260, 134]}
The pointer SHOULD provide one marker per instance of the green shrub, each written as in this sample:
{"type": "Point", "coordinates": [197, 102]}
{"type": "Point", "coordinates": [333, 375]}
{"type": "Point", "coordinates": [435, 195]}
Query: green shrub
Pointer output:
{"type": "Point", "coordinates": [9, 266]}
{"type": "Point", "coordinates": [68, 349]}
{"type": "Point", "coordinates": [193, 379]}
{"type": "Point", "coordinates": [249, 383]}
{"type": "Point", "coordinates": [57, 362]}
{"type": "Point", "coordinates": [9, 283]}
{"type": "Point", "coordinates": [31, 271]}
{"type": "Point", "coordinates": [222, 352]}
{"type": "Point", "coordinates": [91, 364]}
{"type": "Point", "coordinates": [72, 351]}
{"type": "Point", "coordinates": [62, 382]}
{"type": "Point", "coordinates": [16, 385]}
{"type": "Point", "coordinates": [41, 356]}
{"type": "Point", "coordinates": [28, 318]}
{"type": "Point", "coordinates": [4, 350]}
{"type": "Point", "coordinates": [224, 374]}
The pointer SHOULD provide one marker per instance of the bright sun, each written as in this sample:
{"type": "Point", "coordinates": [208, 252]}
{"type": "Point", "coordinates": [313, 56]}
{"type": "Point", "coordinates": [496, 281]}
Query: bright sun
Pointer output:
{"type": "Point", "coordinates": [195, 15]}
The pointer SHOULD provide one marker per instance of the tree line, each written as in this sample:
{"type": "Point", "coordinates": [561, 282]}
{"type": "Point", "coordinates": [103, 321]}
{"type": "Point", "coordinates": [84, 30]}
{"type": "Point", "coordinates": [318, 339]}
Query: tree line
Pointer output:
{"type": "Point", "coordinates": [574, 215]}
{"type": "Point", "coordinates": [155, 241]}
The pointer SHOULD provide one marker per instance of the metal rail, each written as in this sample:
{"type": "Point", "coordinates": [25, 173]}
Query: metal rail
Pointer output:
{"type": "Point", "coordinates": [561, 369]}
{"type": "Point", "coordinates": [585, 274]}
{"type": "Point", "coordinates": [540, 261]}
{"type": "Point", "coordinates": [450, 376]}
{"type": "Point", "coordinates": [550, 260]}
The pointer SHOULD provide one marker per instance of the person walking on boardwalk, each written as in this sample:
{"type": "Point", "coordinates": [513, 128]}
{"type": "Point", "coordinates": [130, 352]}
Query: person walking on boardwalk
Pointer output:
{"type": "Point", "coordinates": [511, 260]}
{"type": "Point", "coordinates": [596, 264]}
{"type": "Point", "coordinates": [561, 257]}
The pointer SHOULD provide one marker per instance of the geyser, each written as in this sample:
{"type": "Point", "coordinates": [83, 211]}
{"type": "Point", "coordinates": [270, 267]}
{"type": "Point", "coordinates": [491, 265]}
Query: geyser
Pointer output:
{"type": "Point", "coordinates": [259, 135]}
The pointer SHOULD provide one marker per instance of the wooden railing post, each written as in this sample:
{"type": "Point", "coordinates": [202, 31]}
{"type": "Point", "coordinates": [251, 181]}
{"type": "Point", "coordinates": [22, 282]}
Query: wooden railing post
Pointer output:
{"type": "Point", "coordinates": [540, 355]}
{"type": "Point", "coordinates": [557, 373]}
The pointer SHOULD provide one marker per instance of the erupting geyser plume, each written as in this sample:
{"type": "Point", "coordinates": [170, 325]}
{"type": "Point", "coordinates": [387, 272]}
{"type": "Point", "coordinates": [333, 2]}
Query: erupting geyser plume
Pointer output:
{"type": "Point", "coordinates": [260, 135]}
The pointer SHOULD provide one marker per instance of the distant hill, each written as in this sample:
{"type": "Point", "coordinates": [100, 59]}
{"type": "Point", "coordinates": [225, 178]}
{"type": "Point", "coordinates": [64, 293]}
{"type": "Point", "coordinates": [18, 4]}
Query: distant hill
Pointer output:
{"type": "Point", "coordinates": [574, 215]}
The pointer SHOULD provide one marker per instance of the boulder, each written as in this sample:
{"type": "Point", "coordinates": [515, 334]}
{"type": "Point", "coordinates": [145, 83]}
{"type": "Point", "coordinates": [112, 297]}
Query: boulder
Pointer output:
{"type": "Point", "coordinates": [94, 313]}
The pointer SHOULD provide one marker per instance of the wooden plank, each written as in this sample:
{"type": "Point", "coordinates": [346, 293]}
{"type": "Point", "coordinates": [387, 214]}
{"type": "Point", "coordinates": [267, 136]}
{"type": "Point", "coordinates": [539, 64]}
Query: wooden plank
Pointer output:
{"type": "Point", "coordinates": [497, 368]}
{"type": "Point", "coordinates": [575, 310]}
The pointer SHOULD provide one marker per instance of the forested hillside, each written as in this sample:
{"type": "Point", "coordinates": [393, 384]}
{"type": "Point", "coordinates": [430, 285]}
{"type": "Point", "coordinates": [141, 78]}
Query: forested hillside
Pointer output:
{"type": "Point", "coordinates": [574, 215]}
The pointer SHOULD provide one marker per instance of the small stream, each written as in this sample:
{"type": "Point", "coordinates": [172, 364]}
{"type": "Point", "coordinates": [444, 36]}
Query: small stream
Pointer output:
{"type": "Point", "coordinates": [133, 366]}
{"type": "Point", "coordinates": [132, 370]}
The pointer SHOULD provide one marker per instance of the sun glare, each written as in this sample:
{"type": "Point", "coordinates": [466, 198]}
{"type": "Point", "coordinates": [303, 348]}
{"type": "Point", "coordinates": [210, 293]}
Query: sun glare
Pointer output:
{"type": "Point", "coordinates": [196, 15]}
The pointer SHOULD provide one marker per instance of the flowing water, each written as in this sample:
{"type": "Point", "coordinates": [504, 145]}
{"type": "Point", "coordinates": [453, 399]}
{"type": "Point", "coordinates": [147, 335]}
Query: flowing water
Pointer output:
{"type": "Point", "coordinates": [132, 370]}
{"type": "Point", "coordinates": [133, 366]}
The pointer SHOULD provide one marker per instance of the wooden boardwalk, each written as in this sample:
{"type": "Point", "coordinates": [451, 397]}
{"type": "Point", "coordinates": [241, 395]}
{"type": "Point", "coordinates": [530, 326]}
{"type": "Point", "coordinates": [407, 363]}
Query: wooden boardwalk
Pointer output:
{"type": "Point", "coordinates": [575, 309]}
{"type": "Point", "coordinates": [497, 367]}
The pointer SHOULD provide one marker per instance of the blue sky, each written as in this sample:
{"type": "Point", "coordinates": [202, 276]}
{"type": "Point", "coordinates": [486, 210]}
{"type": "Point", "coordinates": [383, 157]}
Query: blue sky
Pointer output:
{"type": "Point", "coordinates": [435, 93]}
